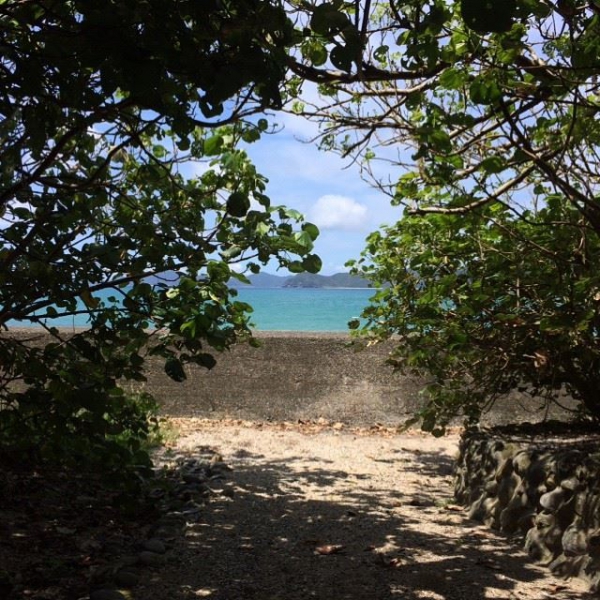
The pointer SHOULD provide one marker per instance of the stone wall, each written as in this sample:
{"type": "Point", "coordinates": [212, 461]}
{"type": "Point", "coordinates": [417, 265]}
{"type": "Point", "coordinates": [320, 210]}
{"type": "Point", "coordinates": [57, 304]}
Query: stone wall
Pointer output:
{"type": "Point", "coordinates": [542, 483]}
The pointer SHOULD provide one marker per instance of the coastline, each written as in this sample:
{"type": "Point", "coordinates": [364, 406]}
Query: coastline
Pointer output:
{"type": "Point", "coordinates": [280, 333]}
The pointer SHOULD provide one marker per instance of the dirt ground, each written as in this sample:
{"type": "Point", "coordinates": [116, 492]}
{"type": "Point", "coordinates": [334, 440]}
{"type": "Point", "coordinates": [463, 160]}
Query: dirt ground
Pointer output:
{"type": "Point", "coordinates": [320, 511]}
{"type": "Point", "coordinates": [286, 511]}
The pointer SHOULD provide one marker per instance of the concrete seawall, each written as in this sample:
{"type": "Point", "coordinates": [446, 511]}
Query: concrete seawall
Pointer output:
{"type": "Point", "coordinates": [303, 376]}
{"type": "Point", "coordinates": [307, 376]}
{"type": "Point", "coordinates": [292, 376]}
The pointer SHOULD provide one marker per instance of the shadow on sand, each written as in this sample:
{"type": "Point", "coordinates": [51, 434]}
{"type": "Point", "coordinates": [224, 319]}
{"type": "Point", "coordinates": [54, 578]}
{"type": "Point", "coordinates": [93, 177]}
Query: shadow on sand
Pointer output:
{"type": "Point", "coordinates": [297, 533]}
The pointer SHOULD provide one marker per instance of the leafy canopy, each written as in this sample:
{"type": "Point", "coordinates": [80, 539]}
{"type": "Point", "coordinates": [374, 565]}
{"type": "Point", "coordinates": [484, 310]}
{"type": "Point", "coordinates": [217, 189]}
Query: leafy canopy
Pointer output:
{"type": "Point", "coordinates": [124, 196]}
{"type": "Point", "coordinates": [465, 103]}
{"type": "Point", "coordinates": [481, 119]}
{"type": "Point", "coordinates": [487, 303]}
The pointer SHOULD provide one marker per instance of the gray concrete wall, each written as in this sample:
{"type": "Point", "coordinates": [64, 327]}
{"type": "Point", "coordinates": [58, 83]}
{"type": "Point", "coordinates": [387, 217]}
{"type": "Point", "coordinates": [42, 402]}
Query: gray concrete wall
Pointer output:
{"type": "Point", "coordinates": [302, 376]}
{"type": "Point", "coordinates": [293, 377]}
{"type": "Point", "coordinates": [307, 376]}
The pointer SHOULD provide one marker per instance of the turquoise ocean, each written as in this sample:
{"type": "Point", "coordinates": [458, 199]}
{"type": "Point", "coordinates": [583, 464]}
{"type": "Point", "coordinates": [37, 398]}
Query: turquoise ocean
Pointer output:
{"type": "Point", "coordinates": [305, 309]}
{"type": "Point", "coordinates": [285, 309]}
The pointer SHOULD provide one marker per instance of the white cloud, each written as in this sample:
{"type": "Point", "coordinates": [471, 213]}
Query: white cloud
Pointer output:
{"type": "Point", "coordinates": [339, 212]}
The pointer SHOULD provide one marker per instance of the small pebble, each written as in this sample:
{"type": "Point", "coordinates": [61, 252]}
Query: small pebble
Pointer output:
{"type": "Point", "coordinates": [151, 559]}
{"type": "Point", "coordinates": [193, 478]}
{"type": "Point", "coordinates": [127, 579]}
{"type": "Point", "coordinates": [155, 545]}
{"type": "Point", "coordinates": [169, 532]}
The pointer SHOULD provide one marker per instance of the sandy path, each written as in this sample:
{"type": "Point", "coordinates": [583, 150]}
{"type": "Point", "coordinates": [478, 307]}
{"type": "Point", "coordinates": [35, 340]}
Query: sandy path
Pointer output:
{"type": "Point", "coordinates": [320, 513]}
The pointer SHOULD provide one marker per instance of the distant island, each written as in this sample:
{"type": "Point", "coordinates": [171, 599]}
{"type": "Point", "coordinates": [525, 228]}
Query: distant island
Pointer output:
{"type": "Point", "coordinates": [266, 280]}
{"type": "Point", "coordinates": [305, 280]}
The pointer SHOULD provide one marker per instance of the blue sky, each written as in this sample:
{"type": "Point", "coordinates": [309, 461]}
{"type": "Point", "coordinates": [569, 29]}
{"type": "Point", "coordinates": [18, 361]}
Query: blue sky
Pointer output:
{"type": "Point", "coordinates": [324, 187]}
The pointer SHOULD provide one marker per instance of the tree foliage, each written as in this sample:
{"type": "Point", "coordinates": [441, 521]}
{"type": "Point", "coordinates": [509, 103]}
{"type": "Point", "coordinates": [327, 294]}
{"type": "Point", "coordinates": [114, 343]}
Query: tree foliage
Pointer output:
{"type": "Point", "coordinates": [482, 121]}
{"type": "Point", "coordinates": [467, 103]}
{"type": "Point", "coordinates": [124, 196]}
{"type": "Point", "coordinates": [486, 303]}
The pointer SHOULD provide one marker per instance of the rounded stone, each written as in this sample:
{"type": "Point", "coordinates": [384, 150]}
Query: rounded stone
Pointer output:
{"type": "Point", "coordinates": [506, 488]}
{"type": "Point", "coordinates": [581, 502]}
{"type": "Point", "coordinates": [155, 545]}
{"type": "Point", "coordinates": [491, 509]}
{"type": "Point", "coordinates": [594, 546]}
{"type": "Point", "coordinates": [151, 559]}
{"type": "Point", "coordinates": [536, 474]}
{"type": "Point", "coordinates": [220, 466]}
{"type": "Point", "coordinates": [476, 511]}
{"type": "Point", "coordinates": [127, 579]}
{"type": "Point", "coordinates": [169, 531]}
{"type": "Point", "coordinates": [572, 484]}
{"type": "Point", "coordinates": [491, 488]}
{"type": "Point", "coordinates": [228, 492]}
{"type": "Point", "coordinates": [544, 520]}
{"type": "Point", "coordinates": [535, 546]}
{"type": "Point", "coordinates": [504, 469]}
{"type": "Point", "coordinates": [129, 561]}
{"type": "Point", "coordinates": [551, 501]}
{"type": "Point", "coordinates": [193, 478]}
{"type": "Point", "coordinates": [521, 462]}
{"type": "Point", "coordinates": [574, 541]}
{"type": "Point", "coordinates": [510, 518]}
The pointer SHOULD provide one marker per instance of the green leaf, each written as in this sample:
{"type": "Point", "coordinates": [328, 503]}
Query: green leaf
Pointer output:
{"type": "Point", "coordinates": [315, 52]}
{"type": "Point", "coordinates": [205, 360]}
{"type": "Point", "coordinates": [493, 164]}
{"type": "Point", "coordinates": [290, 213]}
{"type": "Point", "coordinates": [251, 135]}
{"type": "Point", "coordinates": [232, 252]}
{"type": "Point", "coordinates": [354, 324]}
{"type": "Point", "coordinates": [295, 266]}
{"type": "Point", "coordinates": [213, 145]}
{"type": "Point", "coordinates": [452, 79]}
{"type": "Point", "coordinates": [304, 239]}
{"type": "Point", "coordinates": [342, 57]}
{"type": "Point", "coordinates": [238, 204]}
{"type": "Point", "coordinates": [428, 423]}
{"type": "Point", "coordinates": [326, 20]}
{"type": "Point", "coordinates": [380, 54]}
{"type": "Point", "coordinates": [484, 91]}
{"type": "Point", "coordinates": [312, 230]}
{"type": "Point", "coordinates": [312, 263]}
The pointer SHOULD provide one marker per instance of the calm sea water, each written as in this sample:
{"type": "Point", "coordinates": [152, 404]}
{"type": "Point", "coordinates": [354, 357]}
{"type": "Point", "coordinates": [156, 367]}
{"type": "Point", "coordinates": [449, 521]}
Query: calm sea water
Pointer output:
{"type": "Point", "coordinates": [286, 309]}
{"type": "Point", "coordinates": [305, 309]}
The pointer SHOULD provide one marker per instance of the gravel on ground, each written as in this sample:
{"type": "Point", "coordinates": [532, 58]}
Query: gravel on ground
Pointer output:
{"type": "Point", "coordinates": [317, 510]}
